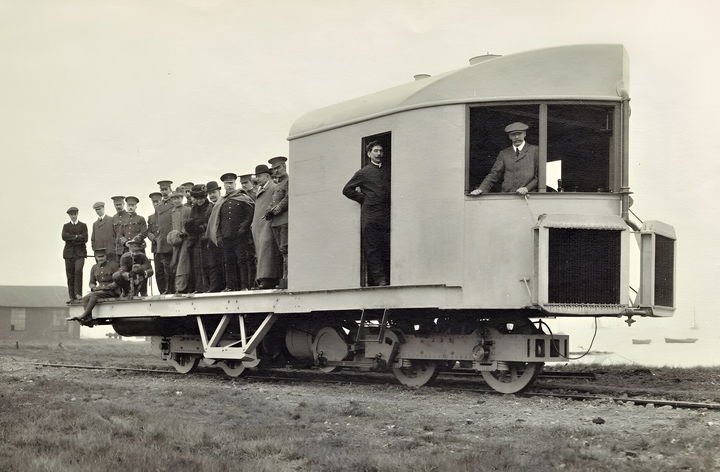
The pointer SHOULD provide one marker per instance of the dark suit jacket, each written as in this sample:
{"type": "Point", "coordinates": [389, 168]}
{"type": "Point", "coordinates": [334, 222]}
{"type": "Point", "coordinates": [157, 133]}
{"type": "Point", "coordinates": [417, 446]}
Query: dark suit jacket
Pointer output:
{"type": "Point", "coordinates": [514, 171]}
{"type": "Point", "coordinates": [75, 237]}
{"type": "Point", "coordinates": [374, 194]}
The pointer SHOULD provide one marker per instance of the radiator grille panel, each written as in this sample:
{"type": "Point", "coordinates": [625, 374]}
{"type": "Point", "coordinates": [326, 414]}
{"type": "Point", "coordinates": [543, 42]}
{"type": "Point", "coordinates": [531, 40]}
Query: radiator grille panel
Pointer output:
{"type": "Point", "coordinates": [664, 268]}
{"type": "Point", "coordinates": [583, 266]}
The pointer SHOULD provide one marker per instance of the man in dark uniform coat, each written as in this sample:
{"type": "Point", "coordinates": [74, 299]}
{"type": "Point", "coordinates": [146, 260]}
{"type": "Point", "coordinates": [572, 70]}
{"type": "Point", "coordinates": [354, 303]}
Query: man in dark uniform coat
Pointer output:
{"type": "Point", "coordinates": [135, 226]}
{"type": "Point", "coordinates": [269, 260]}
{"type": "Point", "coordinates": [216, 267]}
{"type": "Point", "coordinates": [278, 212]}
{"type": "Point", "coordinates": [163, 257]}
{"type": "Point", "coordinates": [101, 286]}
{"type": "Point", "coordinates": [229, 227]}
{"type": "Point", "coordinates": [118, 220]}
{"type": "Point", "coordinates": [103, 233]}
{"type": "Point", "coordinates": [134, 269]}
{"type": "Point", "coordinates": [370, 187]}
{"type": "Point", "coordinates": [516, 166]}
{"type": "Point", "coordinates": [75, 235]}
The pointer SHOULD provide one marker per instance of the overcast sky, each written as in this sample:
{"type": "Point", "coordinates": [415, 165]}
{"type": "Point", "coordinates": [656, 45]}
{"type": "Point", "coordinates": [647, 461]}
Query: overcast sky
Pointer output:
{"type": "Point", "coordinates": [99, 98]}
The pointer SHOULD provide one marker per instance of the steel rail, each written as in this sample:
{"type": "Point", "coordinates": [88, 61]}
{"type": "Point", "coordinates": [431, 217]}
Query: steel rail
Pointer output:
{"type": "Point", "coordinates": [657, 402]}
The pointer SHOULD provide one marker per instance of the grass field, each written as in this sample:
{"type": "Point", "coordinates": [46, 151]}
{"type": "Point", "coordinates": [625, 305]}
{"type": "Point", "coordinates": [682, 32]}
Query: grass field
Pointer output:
{"type": "Point", "coordinates": [55, 419]}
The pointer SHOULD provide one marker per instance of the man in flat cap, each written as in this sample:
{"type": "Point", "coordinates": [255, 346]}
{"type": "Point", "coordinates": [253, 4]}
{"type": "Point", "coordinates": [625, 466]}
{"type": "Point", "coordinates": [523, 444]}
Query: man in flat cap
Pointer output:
{"type": "Point", "coordinates": [247, 182]}
{"type": "Point", "coordinates": [370, 187]}
{"type": "Point", "coordinates": [516, 167]}
{"type": "Point", "coordinates": [278, 212]}
{"type": "Point", "coordinates": [229, 228]}
{"type": "Point", "coordinates": [269, 259]}
{"type": "Point", "coordinates": [103, 233]}
{"type": "Point", "coordinates": [134, 269]}
{"type": "Point", "coordinates": [134, 226]}
{"type": "Point", "coordinates": [102, 286]}
{"type": "Point", "coordinates": [163, 256]}
{"type": "Point", "coordinates": [216, 267]}
{"type": "Point", "coordinates": [186, 188]}
{"type": "Point", "coordinates": [75, 235]}
{"type": "Point", "coordinates": [118, 220]}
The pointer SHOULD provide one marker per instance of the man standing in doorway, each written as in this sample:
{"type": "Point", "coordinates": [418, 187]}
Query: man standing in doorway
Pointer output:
{"type": "Point", "coordinates": [370, 187]}
{"type": "Point", "coordinates": [75, 235]}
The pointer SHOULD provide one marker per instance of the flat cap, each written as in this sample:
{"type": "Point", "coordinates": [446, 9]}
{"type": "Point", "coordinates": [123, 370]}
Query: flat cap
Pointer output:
{"type": "Point", "coordinates": [135, 242]}
{"type": "Point", "coordinates": [155, 195]}
{"type": "Point", "coordinates": [119, 198]}
{"type": "Point", "coordinates": [164, 183]}
{"type": "Point", "coordinates": [277, 160]}
{"type": "Point", "coordinates": [72, 211]}
{"type": "Point", "coordinates": [517, 126]}
{"type": "Point", "coordinates": [97, 205]}
{"type": "Point", "coordinates": [187, 185]}
{"type": "Point", "coordinates": [132, 199]}
{"type": "Point", "coordinates": [100, 251]}
{"type": "Point", "coordinates": [229, 177]}
{"type": "Point", "coordinates": [262, 169]}
{"type": "Point", "coordinates": [212, 185]}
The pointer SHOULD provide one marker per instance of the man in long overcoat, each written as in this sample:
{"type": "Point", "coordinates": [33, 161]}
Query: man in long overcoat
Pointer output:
{"type": "Point", "coordinates": [278, 212]}
{"type": "Point", "coordinates": [103, 233]}
{"type": "Point", "coordinates": [269, 260]}
{"type": "Point", "coordinates": [370, 187]}
{"type": "Point", "coordinates": [75, 235]}
{"type": "Point", "coordinates": [164, 275]}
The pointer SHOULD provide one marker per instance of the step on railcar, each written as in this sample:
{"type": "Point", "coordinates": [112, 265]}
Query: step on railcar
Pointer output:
{"type": "Point", "coordinates": [468, 274]}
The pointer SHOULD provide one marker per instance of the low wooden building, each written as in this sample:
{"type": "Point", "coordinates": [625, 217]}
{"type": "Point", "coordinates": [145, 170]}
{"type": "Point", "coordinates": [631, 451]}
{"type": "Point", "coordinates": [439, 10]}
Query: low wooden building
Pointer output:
{"type": "Point", "coordinates": [35, 312]}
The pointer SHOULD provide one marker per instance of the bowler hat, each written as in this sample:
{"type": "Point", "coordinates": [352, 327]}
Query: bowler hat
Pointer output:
{"type": "Point", "coordinates": [97, 205]}
{"type": "Point", "coordinates": [262, 169]}
{"type": "Point", "coordinates": [229, 177]}
{"type": "Point", "coordinates": [72, 211]}
{"type": "Point", "coordinates": [517, 126]}
{"type": "Point", "coordinates": [212, 185]}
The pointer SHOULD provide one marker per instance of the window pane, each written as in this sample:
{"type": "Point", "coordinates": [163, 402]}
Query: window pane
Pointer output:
{"type": "Point", "coordinates": [580, 142]}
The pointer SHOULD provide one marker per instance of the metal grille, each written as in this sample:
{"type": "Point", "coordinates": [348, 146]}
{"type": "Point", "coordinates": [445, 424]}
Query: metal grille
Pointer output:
{"type": "Point", "coordinates": [584, 266]}
{"type": "Point", "coordinates": [664, 269]}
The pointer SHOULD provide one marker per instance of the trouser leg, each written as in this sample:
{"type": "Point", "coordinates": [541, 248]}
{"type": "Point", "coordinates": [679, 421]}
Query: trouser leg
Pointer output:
{"type": "Point", "coordinates": [160, 274]}
{"type": "Point", "coordinates": [231, 265]}
{"type": "Point", "coordinates": [242, 255]}
{"type": "Point", "coordinates": [377, 251]}
{"type": "Point", "coordinates": [281, 239]}
{"type": "Point", "coordinates": [79, 263]}
{"type": "Point", "coordinates": [90, 302]}
{"type": "Point", "coordinates": [70, 275]}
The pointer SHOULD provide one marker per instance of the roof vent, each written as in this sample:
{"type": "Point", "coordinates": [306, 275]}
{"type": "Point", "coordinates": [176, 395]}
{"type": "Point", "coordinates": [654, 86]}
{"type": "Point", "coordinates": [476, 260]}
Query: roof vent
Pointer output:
{"type": "Point", "coordinates": [483, 58]}
{"type": "Point", "coordinates": [421, 76]}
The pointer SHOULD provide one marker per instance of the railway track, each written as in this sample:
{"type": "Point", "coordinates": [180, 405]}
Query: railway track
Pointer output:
{"type": "Point", "coordinates": [460, 381]}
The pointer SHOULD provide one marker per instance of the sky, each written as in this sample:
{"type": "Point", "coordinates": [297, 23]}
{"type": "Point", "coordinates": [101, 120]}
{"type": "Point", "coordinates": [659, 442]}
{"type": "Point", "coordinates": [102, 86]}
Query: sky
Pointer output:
{"type": "Point", "coordinates": [99, 98]}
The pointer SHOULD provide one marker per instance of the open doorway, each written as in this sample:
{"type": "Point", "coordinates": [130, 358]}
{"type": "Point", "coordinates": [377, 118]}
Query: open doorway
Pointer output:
{"type": "Point", "coordinates": [378, 247]}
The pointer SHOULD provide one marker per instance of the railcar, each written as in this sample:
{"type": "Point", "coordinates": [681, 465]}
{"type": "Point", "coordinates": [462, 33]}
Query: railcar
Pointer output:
{"type": "Point", "coordinates": [469, 275]}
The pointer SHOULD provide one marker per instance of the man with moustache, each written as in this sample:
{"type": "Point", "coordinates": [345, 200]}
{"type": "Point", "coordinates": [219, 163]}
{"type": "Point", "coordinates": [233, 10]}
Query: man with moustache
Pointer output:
{"type": "Point", "coordinates": [134, 270]}
{"type": "Point", "coordinates": [516, 167]}
{"type": "Point", "coordinates": [118, 220]}
{"type": "Point", "coordinates": [155, 198]}
{"type": "Point", "coordinates": [269, 260]}
{"type": "Point", "coordinates": [163, 257]}
{"type": "Point", "coordinates": [135, 226]}
{"type": "Point", "coordinates": [75, 235]}
{"type": "Point", "coordinates": [278, 212]}
{"type": "Point", "coordinates": [101, 286]}
{"type": "Point", "coordinates": [103, 234]}
{"type": "Point", "coordinates": [247, 184]}
{"type": "Point", "coordinates": [229, 228]}
{"type": "Point", "coordinates": [216, 268]}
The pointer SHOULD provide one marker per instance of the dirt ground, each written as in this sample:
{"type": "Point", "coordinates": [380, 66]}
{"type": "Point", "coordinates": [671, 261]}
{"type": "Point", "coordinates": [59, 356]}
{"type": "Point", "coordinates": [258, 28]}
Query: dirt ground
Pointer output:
{"type": "Point", "coordinates": [57, 419]}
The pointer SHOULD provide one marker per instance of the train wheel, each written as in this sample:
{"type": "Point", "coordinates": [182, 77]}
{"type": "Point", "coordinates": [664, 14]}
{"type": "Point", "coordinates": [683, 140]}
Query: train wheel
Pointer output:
{"type": "Point", "coordinates": [184, 363]}
{"type": "Point", "coordinates": [419, 373]}
{"type": "Point", "coordinates": [232, 368]}
{"type": "Point", "coordinates": [518, 377]}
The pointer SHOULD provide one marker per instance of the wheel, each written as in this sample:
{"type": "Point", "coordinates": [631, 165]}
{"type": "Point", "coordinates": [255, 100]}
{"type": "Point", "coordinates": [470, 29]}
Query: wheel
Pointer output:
{"type": "Point", "coordinates": [418, 374]}
{"type": "Point", "coordinates": [517, 378]}
{"type": "Point", "coordinates": [184, 363]}
{"type": "Point", "coordinates": [329, 345]}
{"type": "Point", "coordinates": [232, 368]}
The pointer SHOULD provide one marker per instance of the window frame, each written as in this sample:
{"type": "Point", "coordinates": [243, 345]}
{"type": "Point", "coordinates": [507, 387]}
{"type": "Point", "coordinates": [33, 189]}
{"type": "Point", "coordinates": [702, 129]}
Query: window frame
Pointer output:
{"type": "Point", "coordinates": [615, 157]}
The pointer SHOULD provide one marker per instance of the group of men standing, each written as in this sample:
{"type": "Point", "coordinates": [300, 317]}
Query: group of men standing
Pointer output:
{"type": "Point", "coordinates": [201, 240]}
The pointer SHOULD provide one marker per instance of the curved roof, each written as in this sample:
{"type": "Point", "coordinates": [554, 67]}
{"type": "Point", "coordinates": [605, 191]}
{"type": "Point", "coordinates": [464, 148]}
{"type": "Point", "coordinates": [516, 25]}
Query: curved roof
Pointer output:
{"type": "Point", "coordinates": [587, 72]}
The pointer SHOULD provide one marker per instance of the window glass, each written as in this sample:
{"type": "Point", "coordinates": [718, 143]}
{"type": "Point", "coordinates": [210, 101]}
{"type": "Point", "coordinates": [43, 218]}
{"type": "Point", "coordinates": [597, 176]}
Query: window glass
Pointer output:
{"type": "Point", "coordinates": [580, 142]}
{"type": "Point", "coordinates": [488, 137]}
{"type": "Point", "coordinates": [17, 319]}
